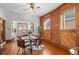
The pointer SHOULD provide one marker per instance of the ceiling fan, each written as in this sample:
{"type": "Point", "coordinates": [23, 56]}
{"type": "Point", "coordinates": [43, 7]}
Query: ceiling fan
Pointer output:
{"type": "Point", "coordinates": [32, 7]}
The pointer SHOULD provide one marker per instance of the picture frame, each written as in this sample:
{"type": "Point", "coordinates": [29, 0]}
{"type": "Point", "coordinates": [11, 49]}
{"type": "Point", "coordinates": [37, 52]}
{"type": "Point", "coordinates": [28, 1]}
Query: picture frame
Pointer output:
{"type": "Point", "coordinates": [47, 24]}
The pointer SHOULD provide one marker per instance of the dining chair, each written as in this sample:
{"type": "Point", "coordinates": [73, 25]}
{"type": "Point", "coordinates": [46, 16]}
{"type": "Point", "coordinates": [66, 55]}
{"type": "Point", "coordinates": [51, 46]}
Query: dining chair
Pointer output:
{"type": "Point", "coordinates": [21, 45]}
{"type": "Point", "coordinates": [37, 44]}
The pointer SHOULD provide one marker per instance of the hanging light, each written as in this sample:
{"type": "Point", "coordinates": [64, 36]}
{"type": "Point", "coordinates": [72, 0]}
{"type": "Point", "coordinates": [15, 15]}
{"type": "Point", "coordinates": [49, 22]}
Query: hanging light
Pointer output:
{"type": "Point", "coordinates": [32, 7]}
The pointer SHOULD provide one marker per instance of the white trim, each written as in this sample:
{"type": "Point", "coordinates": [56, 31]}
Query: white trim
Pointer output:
{"type": "Point", "coordinates": [70, 19]}
{"type": "Point", "coordinates": [3, 44]}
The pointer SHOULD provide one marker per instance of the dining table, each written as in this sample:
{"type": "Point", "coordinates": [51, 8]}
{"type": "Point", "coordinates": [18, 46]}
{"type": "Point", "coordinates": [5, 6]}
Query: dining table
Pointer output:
{"type": "Point", "coordinates": [31, 39]}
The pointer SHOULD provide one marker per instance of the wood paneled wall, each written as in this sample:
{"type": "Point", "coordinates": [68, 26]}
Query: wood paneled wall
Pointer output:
{"type": "Point", "coordinates": [77, 24]}
{"type": "Point", "coordinates": [68, 38]}
{"type": "Point", "coordinates": [53, 33]}
{"type": "Point", "coordinates": [46, 34]}
{"type": "Point", "coordinates": [67, 6]}
{"type": "Point", "coordinates": [55, 27]}
{"type": "Point", "coordinates": [64, 38]}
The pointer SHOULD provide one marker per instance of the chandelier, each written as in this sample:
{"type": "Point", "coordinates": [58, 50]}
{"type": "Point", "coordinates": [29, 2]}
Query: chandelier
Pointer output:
{"type": "Point", "coordinates": [32, 7]}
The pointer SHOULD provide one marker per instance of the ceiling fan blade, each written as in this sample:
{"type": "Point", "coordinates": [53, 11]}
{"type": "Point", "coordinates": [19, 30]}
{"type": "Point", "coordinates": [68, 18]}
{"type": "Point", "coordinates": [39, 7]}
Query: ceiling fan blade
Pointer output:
{"type": "Point", "coordinates": [25, 9]}
{"type": "Point", "coordinates": [38, 7]}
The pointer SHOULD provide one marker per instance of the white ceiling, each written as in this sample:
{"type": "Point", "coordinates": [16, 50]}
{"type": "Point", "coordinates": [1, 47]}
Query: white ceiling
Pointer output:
{"type": "Point", "coordinates": [18, 8]}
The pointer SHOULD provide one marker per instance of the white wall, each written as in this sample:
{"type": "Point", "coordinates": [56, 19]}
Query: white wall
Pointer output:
{"type": "Point", "coordinates": [10, 16]}
{"type": "Point", "coordinates": [1, 12]}
{"type": "Point", "coordinates": [33, 20]}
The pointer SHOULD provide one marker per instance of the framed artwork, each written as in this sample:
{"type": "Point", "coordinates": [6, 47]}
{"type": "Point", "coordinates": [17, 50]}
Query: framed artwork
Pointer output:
{"type": "Point", "coordinates": [47, 24]}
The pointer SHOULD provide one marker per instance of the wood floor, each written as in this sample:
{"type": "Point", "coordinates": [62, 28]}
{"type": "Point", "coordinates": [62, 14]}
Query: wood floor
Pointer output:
{"type": "Point", "coordinates": [11, 49]}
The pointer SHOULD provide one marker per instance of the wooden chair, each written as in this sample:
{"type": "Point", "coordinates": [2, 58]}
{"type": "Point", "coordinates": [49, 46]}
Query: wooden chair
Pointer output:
{"type": "Point", "coordinates": [37, 43]}
{"type": "Point", "coordinates": [21, 44]}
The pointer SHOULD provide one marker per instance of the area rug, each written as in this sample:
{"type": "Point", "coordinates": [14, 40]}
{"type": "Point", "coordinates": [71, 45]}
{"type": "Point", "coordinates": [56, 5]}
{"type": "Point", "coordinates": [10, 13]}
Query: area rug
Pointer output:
{"type": "Point", "coordinates": [40, 47]}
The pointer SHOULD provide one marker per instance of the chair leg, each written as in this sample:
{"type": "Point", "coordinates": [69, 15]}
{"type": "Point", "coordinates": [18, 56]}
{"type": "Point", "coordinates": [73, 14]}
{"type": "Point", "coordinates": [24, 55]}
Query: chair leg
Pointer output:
{"type": "Point", "coordinates": [38, 50]}
{"type": "Point", "coordinates": [18, 51]}
{"type": "Point", "coordinates": [31, 51]}
{"type": "Point", "coordinates": [24, 51]}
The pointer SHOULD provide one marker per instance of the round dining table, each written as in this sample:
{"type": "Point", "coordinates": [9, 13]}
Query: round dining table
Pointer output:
{"type": "Point", "coordinates": [31, 39]}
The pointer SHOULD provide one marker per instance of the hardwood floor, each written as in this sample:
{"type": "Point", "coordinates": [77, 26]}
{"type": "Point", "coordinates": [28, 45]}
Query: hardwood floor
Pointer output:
{"type": "Point", "coordinates": [50, 49]}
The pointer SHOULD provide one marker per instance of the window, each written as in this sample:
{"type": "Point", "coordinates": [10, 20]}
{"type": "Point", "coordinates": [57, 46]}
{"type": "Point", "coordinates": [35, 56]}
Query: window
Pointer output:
{"type": "Point", "coordinates": [68, 20]}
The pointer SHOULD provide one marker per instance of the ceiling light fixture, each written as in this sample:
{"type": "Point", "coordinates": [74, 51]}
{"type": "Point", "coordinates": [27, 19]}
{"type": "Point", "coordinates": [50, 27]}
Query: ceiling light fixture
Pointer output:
{"type": "Point", "coordinates": [32, 7]}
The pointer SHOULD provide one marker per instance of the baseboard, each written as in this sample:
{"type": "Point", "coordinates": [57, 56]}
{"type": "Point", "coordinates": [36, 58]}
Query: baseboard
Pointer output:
{"type": "Point", "coordinates": [10, 40]}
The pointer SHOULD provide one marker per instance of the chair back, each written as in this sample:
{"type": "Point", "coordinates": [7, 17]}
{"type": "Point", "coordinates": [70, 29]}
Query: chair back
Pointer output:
{"type": "Point", "coordinates": [21, 43]}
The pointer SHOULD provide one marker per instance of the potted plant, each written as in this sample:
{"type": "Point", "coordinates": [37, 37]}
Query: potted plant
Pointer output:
{"type": "Point", "coordinates": [39, 30]}
{"type": "Point", "coordinates": [15, 30]}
